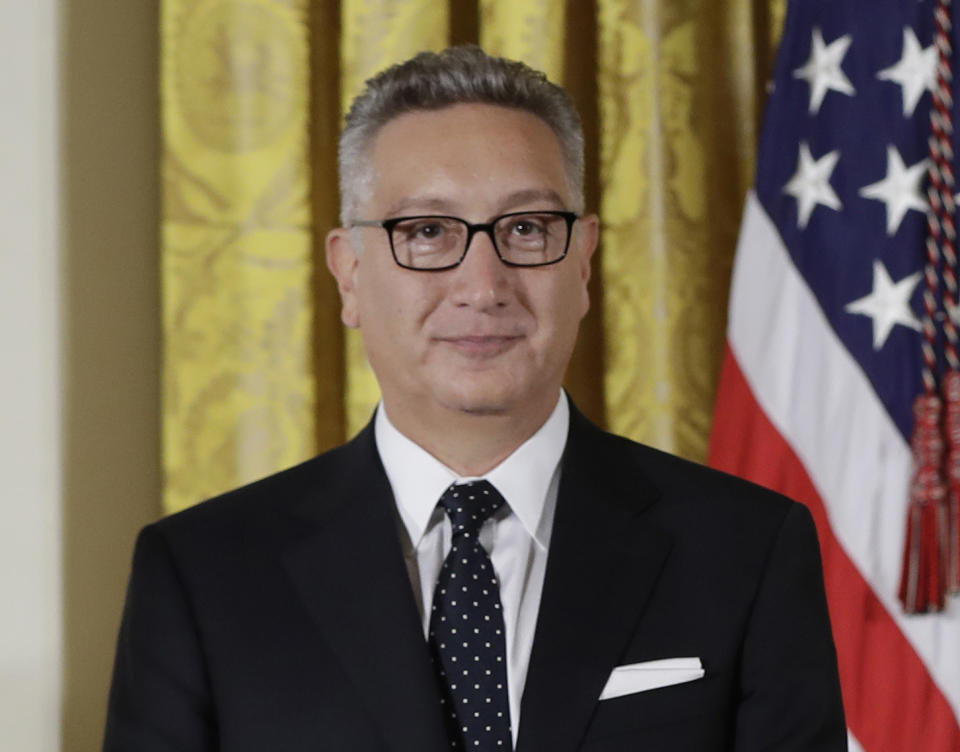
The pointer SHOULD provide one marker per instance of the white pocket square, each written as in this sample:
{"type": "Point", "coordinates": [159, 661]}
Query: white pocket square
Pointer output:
{"type": "Point", "coordinates": [639, 677]}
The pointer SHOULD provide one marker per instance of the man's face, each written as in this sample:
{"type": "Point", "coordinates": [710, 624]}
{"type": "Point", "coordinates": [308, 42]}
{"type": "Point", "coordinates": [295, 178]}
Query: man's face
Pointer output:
{"type": "Point", "coordinates": [482, 338]}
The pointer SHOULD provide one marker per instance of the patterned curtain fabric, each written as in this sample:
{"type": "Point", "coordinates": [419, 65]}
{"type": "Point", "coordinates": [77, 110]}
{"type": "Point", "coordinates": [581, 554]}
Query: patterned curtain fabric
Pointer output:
{"type": "Point", "coordinates": [239, 384]}
{"type": "Point", "coordinates": [528, 30]}
{"type": "Point", "coordinates": [680, 88]}
{"type": "Point", "coordinates": [258, 373]}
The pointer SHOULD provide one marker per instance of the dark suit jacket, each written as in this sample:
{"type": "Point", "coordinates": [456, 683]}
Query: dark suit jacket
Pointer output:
{"type": "Point", "coordinates": [280, 617]}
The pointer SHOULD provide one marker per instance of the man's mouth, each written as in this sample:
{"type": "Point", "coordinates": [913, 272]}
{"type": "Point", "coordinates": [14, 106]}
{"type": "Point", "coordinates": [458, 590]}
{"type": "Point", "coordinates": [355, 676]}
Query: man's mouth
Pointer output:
{"type": "Point", "coordinates": [481, 345]}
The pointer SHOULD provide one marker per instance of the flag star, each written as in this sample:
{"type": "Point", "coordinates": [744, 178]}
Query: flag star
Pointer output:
{"type": "Point", "coordinates": [888, 304]}
{"type": "Point", "coordinates": [822, 70]}
{"type": "Point", "coordinates": [899, 190]}
{"type": "Point", "coordinates": [810, 185]}
{"type": "Point", "coordinates": [915, 72]}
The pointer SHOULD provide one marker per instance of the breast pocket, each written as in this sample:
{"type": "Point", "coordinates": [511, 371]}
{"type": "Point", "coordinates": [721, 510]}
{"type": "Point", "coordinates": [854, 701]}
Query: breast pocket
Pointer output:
{"type": "Point", "coordinates": [694, 715]}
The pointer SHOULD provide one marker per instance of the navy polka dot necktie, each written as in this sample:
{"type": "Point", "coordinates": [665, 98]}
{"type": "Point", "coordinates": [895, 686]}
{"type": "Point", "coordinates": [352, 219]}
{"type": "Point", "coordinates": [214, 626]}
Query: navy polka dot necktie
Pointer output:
{"type": "Point", "coordinates": [466, 639]}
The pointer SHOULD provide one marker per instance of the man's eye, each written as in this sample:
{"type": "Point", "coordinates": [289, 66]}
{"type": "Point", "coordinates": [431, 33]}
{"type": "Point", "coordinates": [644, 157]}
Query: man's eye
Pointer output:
{"type": "Point", "coordinates": [423, 231]}
{"type": "Point", "coordinates": [527, 228]}
{"type": "Point", "coordinates": [429, 231]}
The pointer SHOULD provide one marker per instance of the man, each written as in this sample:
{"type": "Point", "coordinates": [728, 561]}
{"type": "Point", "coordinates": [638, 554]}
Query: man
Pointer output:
{"type": "Point", "coordinates": [480, 568]}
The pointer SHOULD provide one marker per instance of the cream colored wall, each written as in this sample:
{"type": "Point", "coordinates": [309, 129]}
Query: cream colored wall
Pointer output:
{"type": "Point", "coordinates": [109, 296]}
{"type": "Point", "coordinates": [30, 467]}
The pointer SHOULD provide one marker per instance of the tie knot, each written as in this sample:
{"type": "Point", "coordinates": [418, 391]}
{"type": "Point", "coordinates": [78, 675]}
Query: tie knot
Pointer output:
{"type": "Point", "coordinates": [470, 504]}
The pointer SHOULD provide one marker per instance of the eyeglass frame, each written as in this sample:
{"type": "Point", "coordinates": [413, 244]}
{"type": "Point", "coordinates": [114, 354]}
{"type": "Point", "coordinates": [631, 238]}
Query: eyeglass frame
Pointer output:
{"type": "Point", "coordinates": [472, 229]}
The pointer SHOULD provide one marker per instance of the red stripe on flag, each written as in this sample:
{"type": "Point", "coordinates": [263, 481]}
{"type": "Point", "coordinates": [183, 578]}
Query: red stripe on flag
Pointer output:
{"type": "Point", "coordinates": [891, 701]}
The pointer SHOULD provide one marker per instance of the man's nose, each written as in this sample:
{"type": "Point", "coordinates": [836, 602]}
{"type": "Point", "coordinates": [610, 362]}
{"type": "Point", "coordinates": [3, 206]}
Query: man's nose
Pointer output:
{"type": "Point", "coordinates": [481, 278]}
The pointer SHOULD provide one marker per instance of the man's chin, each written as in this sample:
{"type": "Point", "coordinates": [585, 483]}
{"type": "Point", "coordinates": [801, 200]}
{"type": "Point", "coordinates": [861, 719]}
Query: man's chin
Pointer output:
{"type": "Point", "coordinates": [485, 410]}
{"type": "Point", "coordinates": [481, 407]}
{"type": "Point", "coordinates": [482, 402]}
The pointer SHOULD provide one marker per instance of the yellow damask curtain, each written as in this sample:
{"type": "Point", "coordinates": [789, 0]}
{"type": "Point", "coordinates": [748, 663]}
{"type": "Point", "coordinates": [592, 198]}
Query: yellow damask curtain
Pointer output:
{"type": "Point", "coordinates": [258, 373]}
{"type": "Point", "coordinates": [681, 88]}
{"type": "Point", "coordinates": [239, 387]}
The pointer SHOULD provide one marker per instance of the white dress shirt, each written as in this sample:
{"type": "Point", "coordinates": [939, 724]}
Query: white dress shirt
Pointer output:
{"type": "Point", "coordinates": [517, 537]}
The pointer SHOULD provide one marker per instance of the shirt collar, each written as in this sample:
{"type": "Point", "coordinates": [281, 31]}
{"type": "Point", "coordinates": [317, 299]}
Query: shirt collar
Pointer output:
{"type": "Point", "coordinates": [418, 478]}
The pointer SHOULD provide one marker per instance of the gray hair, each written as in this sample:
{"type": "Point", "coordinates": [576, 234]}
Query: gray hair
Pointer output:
{"type": "Point", "coordinates": [458, 75]}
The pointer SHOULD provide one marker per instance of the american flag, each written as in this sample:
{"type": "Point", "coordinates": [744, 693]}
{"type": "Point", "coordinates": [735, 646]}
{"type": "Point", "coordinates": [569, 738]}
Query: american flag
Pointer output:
{"type": "Point", "coordinates": [824, 342]}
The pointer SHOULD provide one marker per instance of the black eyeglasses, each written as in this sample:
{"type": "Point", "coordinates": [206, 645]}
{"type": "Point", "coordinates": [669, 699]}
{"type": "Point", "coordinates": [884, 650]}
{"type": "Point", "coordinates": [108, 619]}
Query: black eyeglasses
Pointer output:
{"type": "Point", "coordinates": [435, 243]}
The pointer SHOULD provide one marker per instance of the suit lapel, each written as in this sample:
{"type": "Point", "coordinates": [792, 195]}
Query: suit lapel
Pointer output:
{"type": "Point", "coordinates": [605, 557]}
{"type": "Point", "coordinates": [349, 572]}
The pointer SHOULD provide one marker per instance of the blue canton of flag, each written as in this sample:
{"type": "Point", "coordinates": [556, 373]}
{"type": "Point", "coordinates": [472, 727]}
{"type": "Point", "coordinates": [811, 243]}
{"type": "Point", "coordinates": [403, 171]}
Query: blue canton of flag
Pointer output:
{"type": "Point", "coordinates": [846, 183]}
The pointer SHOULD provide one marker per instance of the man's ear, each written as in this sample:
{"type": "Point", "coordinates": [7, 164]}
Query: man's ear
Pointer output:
{"type": "Point", "coordinates": [588, 235]}
{"type": "Point", "coordinates": [344, 264]}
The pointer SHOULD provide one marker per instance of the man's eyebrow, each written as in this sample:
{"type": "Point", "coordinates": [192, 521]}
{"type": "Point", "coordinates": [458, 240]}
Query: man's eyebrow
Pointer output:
{"type": "Point", "coordinates": [530, 196]}
{"type": "Point", "coordinates": [440, 205]}
{"type": "Point", "coordinates": [420, 204]}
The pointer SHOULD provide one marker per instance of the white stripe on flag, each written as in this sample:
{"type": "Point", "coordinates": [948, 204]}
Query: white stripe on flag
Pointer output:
{"type": "Point", "coordinates": [823, 405]}
{"type": "Point", "coordinates": [852, 744]}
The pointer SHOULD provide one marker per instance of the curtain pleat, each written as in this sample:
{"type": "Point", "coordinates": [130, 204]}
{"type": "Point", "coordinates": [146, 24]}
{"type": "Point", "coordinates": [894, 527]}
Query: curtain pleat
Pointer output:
{"type": "Point", "coordinates": [328, 336]}
{"type": "Point", "coordinates": [237, 235]}
{"type": "Point", "coordinates": [527, 30]}
{"type": "Point", "coordinates": [679, 87]}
